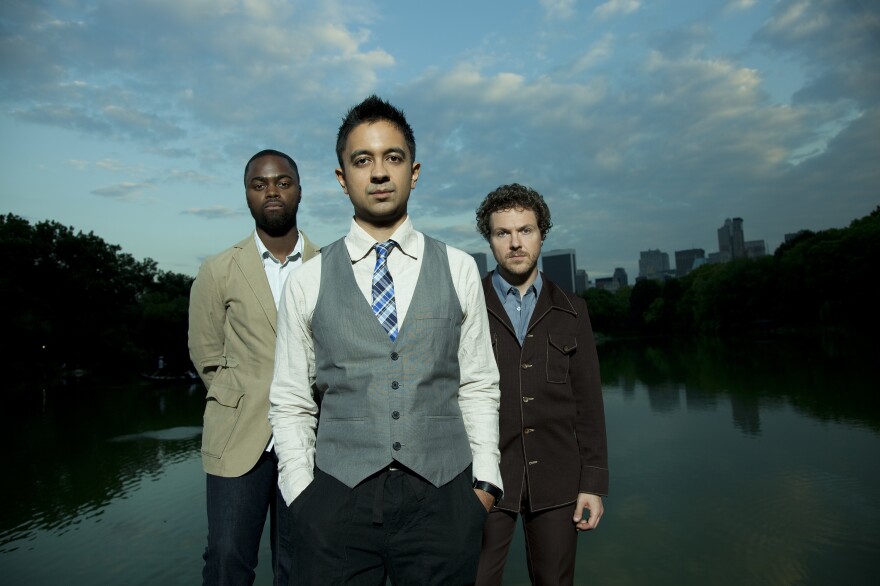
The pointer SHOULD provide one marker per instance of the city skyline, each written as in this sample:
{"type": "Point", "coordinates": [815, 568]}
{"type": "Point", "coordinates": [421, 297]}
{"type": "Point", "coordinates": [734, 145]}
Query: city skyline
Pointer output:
{"type": "Point", "coordinates": [643, 123]}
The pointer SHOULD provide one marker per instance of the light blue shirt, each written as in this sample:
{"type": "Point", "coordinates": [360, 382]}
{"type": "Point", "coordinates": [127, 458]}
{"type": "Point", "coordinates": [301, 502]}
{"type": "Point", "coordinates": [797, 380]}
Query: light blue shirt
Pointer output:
{"type": "Point", "coordinates": [519, 308]}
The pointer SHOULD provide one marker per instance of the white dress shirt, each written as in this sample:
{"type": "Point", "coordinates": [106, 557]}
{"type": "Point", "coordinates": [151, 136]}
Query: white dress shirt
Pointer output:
{"type": "Point", "coordinates": [293, 411]}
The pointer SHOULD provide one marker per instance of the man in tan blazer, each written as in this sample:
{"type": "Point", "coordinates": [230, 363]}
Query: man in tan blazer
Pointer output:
{"type": "Point", "coordinates": [232, 312]}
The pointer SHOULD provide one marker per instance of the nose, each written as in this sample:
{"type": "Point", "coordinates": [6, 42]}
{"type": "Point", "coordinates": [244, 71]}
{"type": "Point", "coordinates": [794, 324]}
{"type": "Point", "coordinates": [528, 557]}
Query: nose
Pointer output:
{"type": "Point", "coordinates": [514, 240]}
{"type": "Point", "coordinates": [378, 173]}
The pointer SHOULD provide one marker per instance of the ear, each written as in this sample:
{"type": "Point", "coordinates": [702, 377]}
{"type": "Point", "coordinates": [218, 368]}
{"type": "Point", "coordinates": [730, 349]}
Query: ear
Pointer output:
{"type": "Point", "coordinates": [416, 168]}
{"type": "Point", "coordinates": [340, 176]}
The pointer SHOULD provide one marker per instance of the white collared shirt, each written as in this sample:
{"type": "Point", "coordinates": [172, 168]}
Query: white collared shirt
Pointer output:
{"type": "Point", "coordinates": [293, 411]}
{"type": "Point", "coordinates": [276, 270]}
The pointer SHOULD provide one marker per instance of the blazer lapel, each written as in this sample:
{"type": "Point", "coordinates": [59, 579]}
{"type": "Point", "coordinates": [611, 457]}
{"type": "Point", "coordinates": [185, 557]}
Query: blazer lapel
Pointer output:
{"type": "Point", "coordinates": [550, 298]}
{"type": "Point", "coordinates": [251, 265]}
{"type": "Point", "coordinates": [494, 306]}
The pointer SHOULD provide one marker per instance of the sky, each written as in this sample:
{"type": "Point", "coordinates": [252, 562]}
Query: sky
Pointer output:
{"type": "Point", "coordinates": [644, 124]}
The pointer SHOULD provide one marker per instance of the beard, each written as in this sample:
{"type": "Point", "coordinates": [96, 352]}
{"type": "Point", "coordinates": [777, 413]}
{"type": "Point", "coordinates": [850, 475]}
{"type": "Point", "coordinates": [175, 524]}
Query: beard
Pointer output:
{"type": "Point", "coordinates": [276, 223]}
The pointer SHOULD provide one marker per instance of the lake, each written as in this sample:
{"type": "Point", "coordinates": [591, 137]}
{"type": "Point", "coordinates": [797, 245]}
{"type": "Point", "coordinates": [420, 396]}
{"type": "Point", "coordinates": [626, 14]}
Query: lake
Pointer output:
{"type": "Point", "coordinates": [748, 462]}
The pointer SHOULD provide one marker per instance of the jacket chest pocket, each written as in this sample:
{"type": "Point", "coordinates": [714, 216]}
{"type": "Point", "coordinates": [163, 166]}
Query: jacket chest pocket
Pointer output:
{"type": "Point", "coordinates": [560, 348]}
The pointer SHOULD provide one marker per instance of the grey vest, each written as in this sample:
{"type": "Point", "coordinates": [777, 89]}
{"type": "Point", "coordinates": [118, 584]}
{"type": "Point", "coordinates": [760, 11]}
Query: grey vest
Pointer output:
{"type": "Point", "coordinates": [380, 400]}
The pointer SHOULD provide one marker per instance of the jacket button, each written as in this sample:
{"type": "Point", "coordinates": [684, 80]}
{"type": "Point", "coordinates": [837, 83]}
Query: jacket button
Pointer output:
{"type": "Point", "coordinates": [529, 430]}
{"type": "Point", "coordinates": [395, 415]}
{"type": "Point", "coordinates": [565, 348]}
{"type": "Point", "coordinates": [532, 462]}
{"type": "Point", "coordinates": [527, 399]}
{"type": "Point", "coordinates": [525, 365]}
{"type": "Point", "coordinates": [396, 446]}
{"type": "Point", "coordinates": [395, 385]}
{"type": "Point", "coordinates": [395, 356]}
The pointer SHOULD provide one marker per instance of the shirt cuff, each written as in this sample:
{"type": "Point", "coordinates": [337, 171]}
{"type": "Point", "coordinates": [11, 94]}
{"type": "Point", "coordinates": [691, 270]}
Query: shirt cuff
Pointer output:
{"type": "Point", "coordinates": [486, 468]}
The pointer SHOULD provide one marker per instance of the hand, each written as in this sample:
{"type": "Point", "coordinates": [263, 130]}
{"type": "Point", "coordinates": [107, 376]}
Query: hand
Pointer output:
{"type": "Point", "coordinates": [592, 505]}
{"type": "Point", "coordinates": [487, 499]}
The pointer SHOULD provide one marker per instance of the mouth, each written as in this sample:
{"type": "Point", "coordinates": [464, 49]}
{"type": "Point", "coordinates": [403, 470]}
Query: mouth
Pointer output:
{"type": "Point", "coordinates": [272, 205]}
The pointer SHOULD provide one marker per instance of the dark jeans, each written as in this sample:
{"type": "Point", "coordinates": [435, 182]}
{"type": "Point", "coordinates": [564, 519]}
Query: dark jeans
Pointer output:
{"type": "Point", "coordinates": [393, 525]}
{"type": "Point", "coordinates": [237, 510]}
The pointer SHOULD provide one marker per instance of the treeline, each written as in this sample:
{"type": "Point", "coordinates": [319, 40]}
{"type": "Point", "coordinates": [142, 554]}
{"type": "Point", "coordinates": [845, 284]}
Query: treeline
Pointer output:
{"type": "Point", "coordinates": [75, 303]}
{"type": "Point", "coordinates": [817, 281]}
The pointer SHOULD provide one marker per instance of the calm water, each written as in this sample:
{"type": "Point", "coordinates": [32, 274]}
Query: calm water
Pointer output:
{"type": "Point", "coordinates": [733, 463]}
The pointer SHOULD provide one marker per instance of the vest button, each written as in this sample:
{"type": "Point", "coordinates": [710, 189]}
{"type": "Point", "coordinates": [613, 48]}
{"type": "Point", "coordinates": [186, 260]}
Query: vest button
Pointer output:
{"type": "Point", "coordinates": [395, 415]}
{"type": "Point", "coordinates": [396, 446]}
{"type": "Point", "coordinates": [395, 356]}
{"type": "Point", "coordinates": [395, 385]}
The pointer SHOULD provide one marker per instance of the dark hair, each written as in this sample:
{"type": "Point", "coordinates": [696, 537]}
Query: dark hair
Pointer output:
{"type": "Point", "coordinates": [508, 197]}
{"type": "Point", "coordinates": [374, 109]}
{"type": "Point", "coordinates": [267, 153]}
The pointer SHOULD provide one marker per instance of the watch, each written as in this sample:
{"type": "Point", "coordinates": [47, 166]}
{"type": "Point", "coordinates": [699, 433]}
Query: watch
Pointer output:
{"type": "Point", "coordinates": [493, 490]}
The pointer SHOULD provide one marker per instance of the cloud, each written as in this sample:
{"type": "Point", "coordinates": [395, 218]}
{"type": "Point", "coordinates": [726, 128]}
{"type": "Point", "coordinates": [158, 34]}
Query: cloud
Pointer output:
{"type": "Point", "coordinates": [615, 7]}
{"type": "Point", "coordinates": [558, 9]}
{"type": "Point", "coordinates": [126, 191]}
{"type": "Point", "coordinates": [214, 212]}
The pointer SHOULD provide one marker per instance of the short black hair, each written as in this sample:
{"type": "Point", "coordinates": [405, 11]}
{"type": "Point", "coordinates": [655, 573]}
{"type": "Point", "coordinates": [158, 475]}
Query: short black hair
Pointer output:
{"type": "Point", "coordinates": [374, 109]}
{"type": "Point", "coordinates": [513, 196]}
{"type": "Point", "coordinates": [267, 153]}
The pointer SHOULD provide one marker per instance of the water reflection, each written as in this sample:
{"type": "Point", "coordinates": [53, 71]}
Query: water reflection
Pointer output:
{"type": "Point", "coordinates": [79, 447]}
{"type": "Point", "coordinates": [830, 379]}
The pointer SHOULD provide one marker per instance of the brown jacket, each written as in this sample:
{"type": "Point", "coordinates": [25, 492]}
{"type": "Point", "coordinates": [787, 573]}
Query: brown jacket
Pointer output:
{"type": "Point", "coordinates": [552, 419]}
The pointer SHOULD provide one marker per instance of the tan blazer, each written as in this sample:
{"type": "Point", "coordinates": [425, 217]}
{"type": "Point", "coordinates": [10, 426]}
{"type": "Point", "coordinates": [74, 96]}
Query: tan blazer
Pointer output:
{"type": "Point", "coordinates": [232, 345]}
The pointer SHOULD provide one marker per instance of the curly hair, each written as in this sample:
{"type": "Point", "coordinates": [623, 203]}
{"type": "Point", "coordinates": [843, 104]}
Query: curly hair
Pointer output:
{"type": "Point", "coordinates": [513, 196]}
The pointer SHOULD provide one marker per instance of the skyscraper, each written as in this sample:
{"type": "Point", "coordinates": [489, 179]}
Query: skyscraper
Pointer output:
{"type": "Point", "coordinates": [731, 242]}
{"type": "Point", "coordinates": [653, 264]}
{"type": "Point", "coordinates": [581, 281]}
{"type": "Point", "coordinates": [620, 277]}
{"type": "Point", "coordinates": [559, 266]}
{"type": "Point", "coordinates": [684, 260]}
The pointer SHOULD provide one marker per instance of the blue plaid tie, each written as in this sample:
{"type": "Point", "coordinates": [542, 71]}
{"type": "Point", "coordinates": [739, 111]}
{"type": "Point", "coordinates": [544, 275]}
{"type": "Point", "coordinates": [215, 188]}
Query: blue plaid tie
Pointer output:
{"type": "Point", "coordinates": [383, 290]}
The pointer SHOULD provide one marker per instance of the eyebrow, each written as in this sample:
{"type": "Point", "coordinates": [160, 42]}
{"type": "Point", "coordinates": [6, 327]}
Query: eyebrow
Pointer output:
{"type": "Point", "coordinates": [399, 150]}
{"type": "Point", "coordinates": [269, 177]}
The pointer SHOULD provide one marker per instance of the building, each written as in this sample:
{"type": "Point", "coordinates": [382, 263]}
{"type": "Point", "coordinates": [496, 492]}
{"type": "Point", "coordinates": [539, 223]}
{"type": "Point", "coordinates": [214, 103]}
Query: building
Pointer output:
{"type": "Point", "coordinates": [731, 242]}
{"type": "Point", "coordinates": [653, 264]}
{"type": "Point", "coordinates": [620, 277]}
{"type": "Point", "coordinates": [581, 281]}
{"type": "Point", "coordinates": [755, 249]}
{"type": "Point", "coordinates": [482, 265]}
{"type": "Point", "coordinates": [607, 283]}
{"type": "Point", "coordinates": [685, 260]}
{"type": "Point", "coordinates": [559, 266]}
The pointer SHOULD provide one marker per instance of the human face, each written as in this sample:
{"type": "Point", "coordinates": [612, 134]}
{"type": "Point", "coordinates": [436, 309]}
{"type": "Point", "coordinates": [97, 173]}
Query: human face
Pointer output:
{"type": "Point", "coordinates": [273, 194]}
{"type": "Point", "coordinates": [516, 244]}
{"type": "Point", "coordinates": [377, 175]}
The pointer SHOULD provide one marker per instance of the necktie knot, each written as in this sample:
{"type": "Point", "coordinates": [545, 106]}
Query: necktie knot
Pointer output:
{"type": "Point", "coordinates": [383, 248]}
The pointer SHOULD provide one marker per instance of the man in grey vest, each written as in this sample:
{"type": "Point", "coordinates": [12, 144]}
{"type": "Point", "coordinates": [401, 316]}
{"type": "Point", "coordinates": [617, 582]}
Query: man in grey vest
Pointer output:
{"type": "Point", "coordinates": [389, 328]}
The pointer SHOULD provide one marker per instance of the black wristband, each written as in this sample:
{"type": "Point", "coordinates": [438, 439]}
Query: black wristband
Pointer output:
{"type": "Point", "coordinates": [493, 490]}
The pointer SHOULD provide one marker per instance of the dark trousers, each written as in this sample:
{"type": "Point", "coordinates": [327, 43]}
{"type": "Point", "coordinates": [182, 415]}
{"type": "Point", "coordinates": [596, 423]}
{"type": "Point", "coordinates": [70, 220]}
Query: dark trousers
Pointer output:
{"type": "Point", "coordinates": [237, 510]}
{"type": "Point", "coordinates": [393, 525]}
{"type": "Point", "coordinates": [551, 545]}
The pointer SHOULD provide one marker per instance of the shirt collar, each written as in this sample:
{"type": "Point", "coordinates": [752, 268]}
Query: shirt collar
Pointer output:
{"type": "Point", "coordinates": [503, 288]}
{"type": "Point", "coordinates": [359, 243]}
{"type": "Point", "coordinates": [294, 254]}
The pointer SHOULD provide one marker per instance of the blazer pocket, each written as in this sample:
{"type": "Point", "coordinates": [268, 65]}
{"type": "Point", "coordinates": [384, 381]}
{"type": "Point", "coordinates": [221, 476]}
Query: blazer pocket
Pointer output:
{"type": "Point", "coordinates": [560, 347]}
{"type": "Point", "coordinates": [221, 416]}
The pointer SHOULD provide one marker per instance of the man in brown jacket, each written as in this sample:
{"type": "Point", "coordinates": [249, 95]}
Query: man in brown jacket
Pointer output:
{"type": "Point", "coordinates": [554, 457]}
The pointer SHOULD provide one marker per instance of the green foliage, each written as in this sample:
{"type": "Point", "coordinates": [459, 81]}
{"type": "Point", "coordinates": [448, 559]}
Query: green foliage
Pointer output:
{"type": "Point", "coordinates": [74, 301]}
{"type": "Point", "coordinates": [820, 280]}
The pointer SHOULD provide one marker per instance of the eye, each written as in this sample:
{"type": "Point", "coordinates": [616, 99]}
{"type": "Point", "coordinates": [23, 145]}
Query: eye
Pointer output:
{"type": "Point", "coordinates": [526, 230]}
{"type": "Point", "coordinates": [361, 161]}
{"type": "Point", "coordinates": [395, 159]}
{"type": "Point", "coordinates": [258, 186]}
{"type": "Point", "coordinates": [284, 184]}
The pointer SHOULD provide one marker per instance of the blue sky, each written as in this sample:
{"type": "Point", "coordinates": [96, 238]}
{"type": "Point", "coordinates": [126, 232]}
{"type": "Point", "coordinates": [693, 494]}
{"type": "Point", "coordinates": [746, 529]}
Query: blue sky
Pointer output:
{"type": "Point", "coordinates": [643, 123]}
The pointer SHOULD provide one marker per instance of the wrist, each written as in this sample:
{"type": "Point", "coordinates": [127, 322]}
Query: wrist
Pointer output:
{"type": "Point", "coordinates": [495, 492]}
